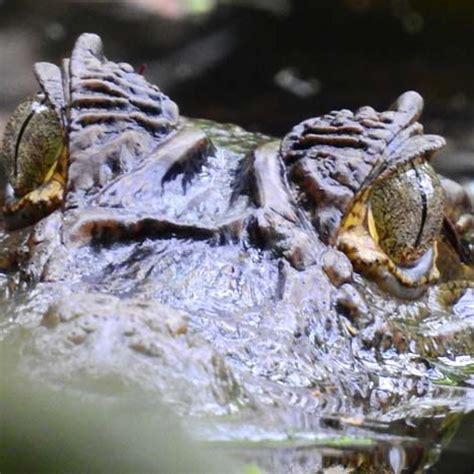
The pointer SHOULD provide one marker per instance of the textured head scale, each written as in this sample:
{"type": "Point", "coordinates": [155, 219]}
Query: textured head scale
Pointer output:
{"type": "Point", "coordinates": [334, 158]}
{"type": "Point", "coordinates": [115, 116]}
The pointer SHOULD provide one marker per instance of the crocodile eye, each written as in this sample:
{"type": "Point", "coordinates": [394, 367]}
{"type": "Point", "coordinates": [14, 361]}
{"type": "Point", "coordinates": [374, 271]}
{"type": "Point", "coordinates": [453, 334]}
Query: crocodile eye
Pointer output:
{"type": "Point", "coordinates": [407, 210]}
{"type": "Point", "coordinates": [32, 144]}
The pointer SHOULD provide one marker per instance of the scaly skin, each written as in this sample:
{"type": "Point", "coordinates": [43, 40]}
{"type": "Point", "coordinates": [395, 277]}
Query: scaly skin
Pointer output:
{"type": "Point", "coordinates": [224, 269]}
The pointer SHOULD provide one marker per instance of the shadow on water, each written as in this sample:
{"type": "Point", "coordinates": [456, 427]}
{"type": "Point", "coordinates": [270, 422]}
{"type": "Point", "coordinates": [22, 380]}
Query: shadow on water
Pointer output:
{"type": "Point", "coordinates": [267, 65]}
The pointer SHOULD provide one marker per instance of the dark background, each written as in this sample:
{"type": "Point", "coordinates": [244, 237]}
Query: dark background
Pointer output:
{"type": "Point", "coordinates": [268, 64]}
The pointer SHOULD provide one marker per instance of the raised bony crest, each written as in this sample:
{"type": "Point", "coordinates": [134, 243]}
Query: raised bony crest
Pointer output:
{"type": "Point", "coordinates": [365, 181]}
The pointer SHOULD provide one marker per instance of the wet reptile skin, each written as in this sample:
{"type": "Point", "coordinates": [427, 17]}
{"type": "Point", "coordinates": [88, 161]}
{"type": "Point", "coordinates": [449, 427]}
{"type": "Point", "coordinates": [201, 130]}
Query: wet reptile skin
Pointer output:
{"type": "Point", "coordinates": [202, 261]}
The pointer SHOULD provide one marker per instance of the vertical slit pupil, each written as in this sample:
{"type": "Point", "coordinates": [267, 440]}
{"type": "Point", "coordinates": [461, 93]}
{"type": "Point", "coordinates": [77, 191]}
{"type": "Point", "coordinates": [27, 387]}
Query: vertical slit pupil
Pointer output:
{"type": "Point", "coordinates": [424, 204]}
{"type": "Point", "coordinates": [23, 128]}
{"type": "Point", "coordinates": [18, 142]}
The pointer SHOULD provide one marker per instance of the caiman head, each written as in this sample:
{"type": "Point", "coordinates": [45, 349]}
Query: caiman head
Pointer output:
{"type": "Point", "coordinates": [223, 235]}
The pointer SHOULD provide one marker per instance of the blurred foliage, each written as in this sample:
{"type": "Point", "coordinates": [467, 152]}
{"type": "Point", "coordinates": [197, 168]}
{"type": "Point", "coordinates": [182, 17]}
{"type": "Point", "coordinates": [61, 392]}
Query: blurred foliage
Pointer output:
{"type": "Point", "coordinates": [45, 431]}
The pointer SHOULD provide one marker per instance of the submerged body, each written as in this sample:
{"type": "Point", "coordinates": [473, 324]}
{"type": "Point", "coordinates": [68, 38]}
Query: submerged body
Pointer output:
{"type": "Point", "coordinates": [229, 271]}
